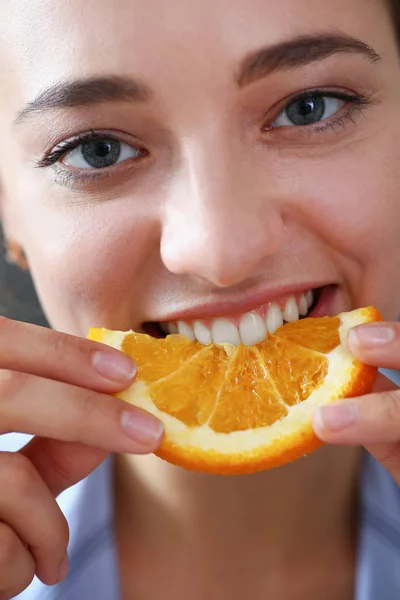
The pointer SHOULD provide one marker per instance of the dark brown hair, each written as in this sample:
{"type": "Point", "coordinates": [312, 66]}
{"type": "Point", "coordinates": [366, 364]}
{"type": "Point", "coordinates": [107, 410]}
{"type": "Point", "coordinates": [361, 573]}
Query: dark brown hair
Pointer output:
{"type": "Point", "coordinates": [394, 7]}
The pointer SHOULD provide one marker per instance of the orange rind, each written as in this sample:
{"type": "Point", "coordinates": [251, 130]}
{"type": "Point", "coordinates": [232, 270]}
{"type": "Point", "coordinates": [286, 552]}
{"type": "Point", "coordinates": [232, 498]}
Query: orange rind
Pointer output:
{"type": "Point", "coordinates": [236, 410]}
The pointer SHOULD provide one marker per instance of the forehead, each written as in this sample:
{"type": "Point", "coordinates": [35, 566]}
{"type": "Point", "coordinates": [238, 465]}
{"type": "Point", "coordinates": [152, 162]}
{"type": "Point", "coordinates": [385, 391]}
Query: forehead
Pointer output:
{"type": "Point", "coordinates": [49, 40]}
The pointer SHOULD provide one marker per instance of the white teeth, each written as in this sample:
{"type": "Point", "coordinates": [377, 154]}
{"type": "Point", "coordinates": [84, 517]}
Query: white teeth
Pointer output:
{"type": "Point", "coordinates": [274, 318]}
{"type": "Point", "coordinates": [291, 311]}
{"type": "Point", "coordinates": [186, 330]}
{"type": "Point", "coordinates": [202, 333]}
{"type": "Point", "coordinates": [224, 331]}
{"type": "Point", "coordinates": [303, 306]}
{"type": "Point", "coordinates": [252, 329]}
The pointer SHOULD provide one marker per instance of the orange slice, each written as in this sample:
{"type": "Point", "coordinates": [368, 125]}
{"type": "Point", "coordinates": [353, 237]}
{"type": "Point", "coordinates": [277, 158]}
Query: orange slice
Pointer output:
{"type": "Point", "coordinates": [239, 410]}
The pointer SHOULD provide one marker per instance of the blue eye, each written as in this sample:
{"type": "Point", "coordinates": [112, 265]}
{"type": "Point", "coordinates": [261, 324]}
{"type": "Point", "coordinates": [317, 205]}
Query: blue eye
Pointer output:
{"type": "Point", "coordinates": [308, 110]}
{"type": "Point", "coordinates": [100, 153]}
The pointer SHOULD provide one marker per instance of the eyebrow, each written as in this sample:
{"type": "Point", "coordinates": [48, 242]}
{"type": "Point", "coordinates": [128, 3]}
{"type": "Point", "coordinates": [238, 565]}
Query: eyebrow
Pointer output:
{"type": "Point", "coordinates": [299, 52]}
{"type": "Point", "coordinates": [85, 92]}
{"type": "Point", "coordinates": [287, 55]}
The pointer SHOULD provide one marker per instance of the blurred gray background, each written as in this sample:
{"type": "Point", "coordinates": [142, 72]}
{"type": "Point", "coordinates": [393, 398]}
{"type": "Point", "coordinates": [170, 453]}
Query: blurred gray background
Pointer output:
{"type": "Point", "coordinates": [18, 298]}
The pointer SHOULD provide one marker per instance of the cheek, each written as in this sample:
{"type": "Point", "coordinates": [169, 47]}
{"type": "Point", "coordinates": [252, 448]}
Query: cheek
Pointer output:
{"type": "Point", "coordinates": [86, 262]}
{"type": "Point", "coordinates": [355, 208]}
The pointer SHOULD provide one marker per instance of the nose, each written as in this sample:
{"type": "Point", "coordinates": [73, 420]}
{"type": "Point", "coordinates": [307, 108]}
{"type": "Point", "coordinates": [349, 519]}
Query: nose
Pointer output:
{"type": "Point", "coordinates": [220, 222]}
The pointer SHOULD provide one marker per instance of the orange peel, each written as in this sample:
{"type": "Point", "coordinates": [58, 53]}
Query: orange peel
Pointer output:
{"type": "Point", "coordinates": [230, 410]}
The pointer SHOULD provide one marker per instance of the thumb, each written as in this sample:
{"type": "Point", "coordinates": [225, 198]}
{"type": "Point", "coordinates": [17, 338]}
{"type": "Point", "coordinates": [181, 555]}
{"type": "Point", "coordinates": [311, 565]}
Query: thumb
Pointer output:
{"type": "Point", "coordinates": [376, 344]}
{"type": "Point", "coordinates": [384, 382]}
{"type": "Point", "coordinates": [62, 464]}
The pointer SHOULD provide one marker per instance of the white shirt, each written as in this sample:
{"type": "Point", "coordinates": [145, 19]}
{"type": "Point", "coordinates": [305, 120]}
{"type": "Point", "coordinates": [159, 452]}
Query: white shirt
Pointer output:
{"type": "Point", "coordinates": [93, 574]}
{"type": "Point", "coordinates": [93, 563]}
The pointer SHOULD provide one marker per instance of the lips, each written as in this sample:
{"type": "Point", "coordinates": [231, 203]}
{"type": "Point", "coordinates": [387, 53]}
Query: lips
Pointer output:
{"type": "Point", "coordinates": [247, 328]}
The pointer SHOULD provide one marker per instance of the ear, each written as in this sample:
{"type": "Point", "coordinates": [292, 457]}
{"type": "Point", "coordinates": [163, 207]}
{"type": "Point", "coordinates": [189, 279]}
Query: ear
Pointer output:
{"type": "Point", "coordinates": [15, 254]}
{"type": "Point", "coordinates": [13, 251]}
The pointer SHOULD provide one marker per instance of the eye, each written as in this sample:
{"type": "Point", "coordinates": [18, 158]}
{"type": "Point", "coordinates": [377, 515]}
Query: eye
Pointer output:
{"type": "Point", "coordinates": [100, 153]}
{"type": "Point", "coordinates": [308, 110]}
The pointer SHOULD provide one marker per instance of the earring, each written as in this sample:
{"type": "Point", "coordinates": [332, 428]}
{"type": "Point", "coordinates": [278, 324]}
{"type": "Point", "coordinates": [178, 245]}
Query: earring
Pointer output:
{"type": "Point", "coordinates": [14, 254]}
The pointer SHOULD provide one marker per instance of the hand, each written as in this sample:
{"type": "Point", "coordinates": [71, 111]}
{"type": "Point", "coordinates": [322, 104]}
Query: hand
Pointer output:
{"type": "Point", "coordinates": [373, 420]}
{"type": "Point", "coordinates": [58, 388]}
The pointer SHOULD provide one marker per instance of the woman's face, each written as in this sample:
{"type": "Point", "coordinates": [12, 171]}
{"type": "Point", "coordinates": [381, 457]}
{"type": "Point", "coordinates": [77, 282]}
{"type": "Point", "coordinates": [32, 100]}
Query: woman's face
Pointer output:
{"type": "Point", "coordinates": [187, 160]}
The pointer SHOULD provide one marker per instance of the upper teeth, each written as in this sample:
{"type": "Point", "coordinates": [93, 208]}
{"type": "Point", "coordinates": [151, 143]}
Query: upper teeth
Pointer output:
{"type": "Point", "coordinates": [202, 333]}
{"type": "Point", "coordinates": [252, 328]}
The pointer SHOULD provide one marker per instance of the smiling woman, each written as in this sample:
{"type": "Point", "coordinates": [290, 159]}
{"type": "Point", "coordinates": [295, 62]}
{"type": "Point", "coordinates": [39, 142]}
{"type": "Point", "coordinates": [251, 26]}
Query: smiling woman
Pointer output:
{"type": "Point", "coordinates": [214, 168]}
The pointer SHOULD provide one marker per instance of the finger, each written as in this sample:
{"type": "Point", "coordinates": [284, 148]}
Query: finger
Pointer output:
{"type": "Point", "coordinates": [62, 464]}
{"type": "Point", "coordinates": [389, 457]}
{"type": "Point", "coordinates": [367, 420]}
{"type": "Point", "coordinates": [383, 384]}
{"type": "Point", "coordinates": [376, 344]}
{"type": "Point", "coordinates": [51, 409]}
{"type": "Point", "coordinates": [17, 565]}
{"type": "Point", "coordinates": [54, 355]}
{"type": "Point", "coordinates": [31, 511]}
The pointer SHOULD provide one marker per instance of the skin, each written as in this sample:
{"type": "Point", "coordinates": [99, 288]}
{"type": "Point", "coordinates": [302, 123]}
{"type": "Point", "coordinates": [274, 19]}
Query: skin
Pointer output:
{"type": "Point", "coordinates": [218, 211]}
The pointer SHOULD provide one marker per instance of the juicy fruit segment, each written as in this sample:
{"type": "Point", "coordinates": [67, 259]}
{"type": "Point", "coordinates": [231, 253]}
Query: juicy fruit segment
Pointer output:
{"type": "Point", "coordinates": [246, 377]}
{"type": "Point", "coordinates": [206, 371]}
{"type": "Point", "coordinates": [252, 387]}
{"type": "Point", "coordinates": [296, 371]}
{"type": "Point", "coordinates": [236, 410]}
{"type": "Point", "coordinates": [321, 335]}
{"type": "Point", "coordinates": [155, 358]}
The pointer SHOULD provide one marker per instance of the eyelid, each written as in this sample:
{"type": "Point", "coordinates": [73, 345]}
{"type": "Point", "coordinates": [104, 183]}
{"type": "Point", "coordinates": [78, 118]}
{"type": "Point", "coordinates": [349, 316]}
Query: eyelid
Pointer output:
{"type": "Point", "coordinates": [54, 155]}
{"type": "Point", "coordinates": [340, 94]}
{"type": "Point", "coordinates": [331, 107]}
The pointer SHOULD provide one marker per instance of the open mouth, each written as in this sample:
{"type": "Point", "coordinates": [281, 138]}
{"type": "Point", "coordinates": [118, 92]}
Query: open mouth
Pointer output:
{"type": "Point", "coordinates": [248, 328]}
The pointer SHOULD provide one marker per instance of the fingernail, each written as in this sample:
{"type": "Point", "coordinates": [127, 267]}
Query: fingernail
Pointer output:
{"type": "Point", "coordinates": [114, 366]}
{"type": "Point", "coordinates": [63, 569]}
{"type": "Point", "coordinates": [372, 336]}
{"type": "Point", "coordinates": [337, 416]}
{"type": "Point", "coordinates": [142, 427]}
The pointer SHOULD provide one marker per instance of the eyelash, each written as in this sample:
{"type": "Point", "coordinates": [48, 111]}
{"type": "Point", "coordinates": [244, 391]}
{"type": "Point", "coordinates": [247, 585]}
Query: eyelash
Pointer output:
{"type": "Point", "coordinates": [66, 176]}
{"type": "Point", "coordinates": [355, 103]}
{"type": "Point", "coordinates": [68, 145]}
